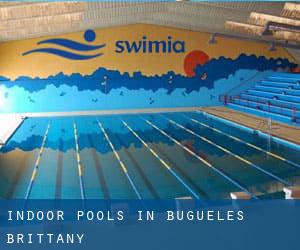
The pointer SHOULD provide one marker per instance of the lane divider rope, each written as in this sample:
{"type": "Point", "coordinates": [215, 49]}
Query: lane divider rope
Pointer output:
{"type": "Point", "coordinates": [205, 162]}
{"type": "Point", "coordinates": [270, 153]}
{"type": "Point", "coordinates": [230, 153]}
{"type": "Point", "coordinates": [79, 164]}
{"type": "Point", "coordinates": [164, 163]}
{"type": "Point", "coordinates": [37, 164]}
{"type": "Point", "coordinates": [246, 143]}
{"type": "Point", "coordinates": [122, 165]}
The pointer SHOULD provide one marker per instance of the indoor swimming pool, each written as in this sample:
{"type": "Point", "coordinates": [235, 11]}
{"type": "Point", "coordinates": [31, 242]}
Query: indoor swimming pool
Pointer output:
{"type": "Point", "coordinates": [143, 156]}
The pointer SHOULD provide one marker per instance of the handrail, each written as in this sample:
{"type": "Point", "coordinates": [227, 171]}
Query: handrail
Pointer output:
{"type": "Point", "coordinates": [230, 99]}
{"type": "Point", "coordinates": [265, 103]}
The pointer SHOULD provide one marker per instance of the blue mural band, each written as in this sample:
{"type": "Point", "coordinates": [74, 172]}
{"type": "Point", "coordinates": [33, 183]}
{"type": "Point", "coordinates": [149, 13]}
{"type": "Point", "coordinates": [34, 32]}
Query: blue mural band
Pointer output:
{"type": "Point", "coordinates": [115, 79]}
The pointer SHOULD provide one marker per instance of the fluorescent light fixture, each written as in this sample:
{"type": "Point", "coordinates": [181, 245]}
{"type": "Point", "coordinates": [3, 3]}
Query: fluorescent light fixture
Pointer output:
{"type": "Point", "coordinates": [291, 10]}
{"type": "Point", "coordinates": [287, 35]}
{"type": "Point", "coordinates": [244, 28]}
{"type": "Point", "coordinates": [263, 19]}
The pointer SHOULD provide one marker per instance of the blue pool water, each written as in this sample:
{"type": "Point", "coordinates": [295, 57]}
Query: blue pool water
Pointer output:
{"type": "Point", "coordinates": [142, 156]}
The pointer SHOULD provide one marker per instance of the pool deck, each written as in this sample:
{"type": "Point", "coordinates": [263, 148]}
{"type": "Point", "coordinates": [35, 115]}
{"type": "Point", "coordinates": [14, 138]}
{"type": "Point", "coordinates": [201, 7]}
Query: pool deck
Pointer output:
{"type": "Point", "coordinates": [110, 112]}
{"type": "Point", "coordinates": [280, 130]}
{"type": "Point", "coordinates": [9, 123]}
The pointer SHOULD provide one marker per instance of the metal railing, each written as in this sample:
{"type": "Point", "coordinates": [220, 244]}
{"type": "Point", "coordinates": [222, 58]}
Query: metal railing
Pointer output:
{"type": "Point", "coordinates": [256, 103]}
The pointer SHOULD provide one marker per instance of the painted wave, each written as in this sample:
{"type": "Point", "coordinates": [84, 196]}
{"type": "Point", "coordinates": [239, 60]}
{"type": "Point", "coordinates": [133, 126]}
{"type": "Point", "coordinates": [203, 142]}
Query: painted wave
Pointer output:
{"type": "Point", "coordinates": [70, 44]}
{"type": "Point", "coordinates": [62, 53]}
{"type": "Point", "coordinates": [67, 44]}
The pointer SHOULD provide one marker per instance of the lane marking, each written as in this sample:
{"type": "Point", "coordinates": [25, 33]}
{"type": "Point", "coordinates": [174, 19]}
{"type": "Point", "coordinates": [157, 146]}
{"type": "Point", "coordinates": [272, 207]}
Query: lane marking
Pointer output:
{"type": "Point", "coordinates": [79, 165]}
{"type": "Point", "coordinates": [246, 143]}
{"type": "Point", "coordinates": [165, 164]}
{"type": "Point", "coordinates": [202, 160]}
{"type": "Point", "coordinates": [37, 164]}
{"type": "Point", "coordinates": [230, 153]}
{"type": "Point", "coordinates": [122, 165]}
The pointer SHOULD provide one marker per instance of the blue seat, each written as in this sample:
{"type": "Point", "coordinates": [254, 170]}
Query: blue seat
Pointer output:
{"type": "Point", "coordinates": [279, 84]}
{"type": "Point", "coordinates": [274, 95]}
{"type": "Point", "coordinates": [283, 79]}
{"type": "Point", "coordinates": [277, 96]}
{"type": "Point", "coordinates": [278, 90]}
{"type": "Point", "coordinates": [286, 75]}
{"type": "Point", "coordinates": [268, 108]}
{"type": "Point", "coordinates": [282, 118]}
{"type": "Point", "coordinates": [275, 102]}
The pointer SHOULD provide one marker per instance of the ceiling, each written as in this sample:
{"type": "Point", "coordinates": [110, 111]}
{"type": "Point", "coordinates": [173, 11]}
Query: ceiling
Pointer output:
{"type": "Point", "coordinates": [21, 20]}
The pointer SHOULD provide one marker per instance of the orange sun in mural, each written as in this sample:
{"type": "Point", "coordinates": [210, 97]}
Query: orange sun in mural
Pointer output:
{"type": "Point", "coordinates": [192, 59]}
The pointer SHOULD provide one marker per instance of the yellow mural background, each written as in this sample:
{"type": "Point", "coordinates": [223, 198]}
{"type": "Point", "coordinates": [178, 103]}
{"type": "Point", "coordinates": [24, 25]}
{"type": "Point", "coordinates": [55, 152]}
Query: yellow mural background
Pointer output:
{"type": "Point", "coordinates": [13, 64]}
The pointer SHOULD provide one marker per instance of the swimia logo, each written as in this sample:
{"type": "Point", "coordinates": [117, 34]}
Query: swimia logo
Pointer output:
{"type": "Point", "coordinates": [150, 46]}
{"type": "Point", "coordinates": [82, 51]}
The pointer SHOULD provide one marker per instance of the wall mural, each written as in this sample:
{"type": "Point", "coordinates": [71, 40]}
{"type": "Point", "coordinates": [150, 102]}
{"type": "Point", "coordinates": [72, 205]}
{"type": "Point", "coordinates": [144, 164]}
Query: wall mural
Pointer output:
{"type": "Point", "coordinates": [134, 66]}
{"type": "Point", "coordinates": [89, 36]}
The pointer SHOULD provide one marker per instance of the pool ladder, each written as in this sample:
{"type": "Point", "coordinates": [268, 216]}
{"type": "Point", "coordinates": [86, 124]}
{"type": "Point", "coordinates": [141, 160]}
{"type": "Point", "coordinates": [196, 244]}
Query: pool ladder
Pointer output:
{"type": "Point", "coordinates": [268, 125]}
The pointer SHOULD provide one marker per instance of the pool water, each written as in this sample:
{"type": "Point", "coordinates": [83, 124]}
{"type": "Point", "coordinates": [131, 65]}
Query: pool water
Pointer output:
{"type": "Point", "coordinates": [147, 156]}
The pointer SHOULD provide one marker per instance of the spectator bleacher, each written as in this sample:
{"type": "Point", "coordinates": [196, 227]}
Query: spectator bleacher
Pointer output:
{"type": "Point", "coordinates": [277, 96]}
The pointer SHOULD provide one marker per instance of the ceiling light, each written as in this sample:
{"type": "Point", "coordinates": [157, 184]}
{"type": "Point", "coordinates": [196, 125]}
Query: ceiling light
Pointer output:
{"type": "Point", "coordinates": [287, 35]}
{"type": "Point", "coordinates": [264, 19]}
{"type": "Point", "coordinates": [244, 28]}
